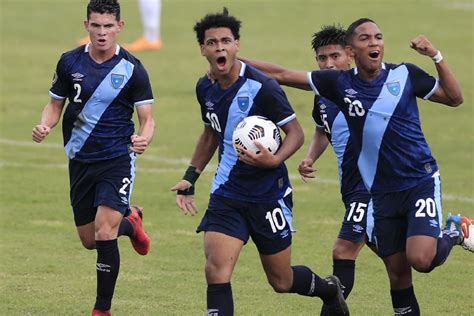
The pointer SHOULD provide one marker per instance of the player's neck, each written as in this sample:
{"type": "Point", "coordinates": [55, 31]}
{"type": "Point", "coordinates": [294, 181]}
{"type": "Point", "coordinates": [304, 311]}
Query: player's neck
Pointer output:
{"type": "Point", "coordinates": [369, 74]}
{"type": "Point", "coordinates": [101, 56]}
{"type": "Point", "coordinates": [227, 80]}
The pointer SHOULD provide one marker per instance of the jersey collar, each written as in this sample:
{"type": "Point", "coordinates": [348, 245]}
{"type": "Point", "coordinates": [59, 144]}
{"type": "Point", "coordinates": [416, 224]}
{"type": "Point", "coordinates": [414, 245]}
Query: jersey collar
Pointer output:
{"type": "Point", "coordinates": [86, 49]}
{"type": "Point", "coordinates": [356, 71]}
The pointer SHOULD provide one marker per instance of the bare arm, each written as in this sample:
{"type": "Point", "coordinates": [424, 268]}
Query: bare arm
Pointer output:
{"type": "Point", "coordinates": [49, 118]}
{"type": "Point", "coordinates": [449, 91]}
{"type": "Point", "coordinates": [146, 131]}
{"type": "Point", "coordinates": [293, 140]}
{"type": "Point", "coordinates": [205, 149]}
{"type": "Point", "coordinates": [318, 145]}
{"type": "Point", "coordinates": [287, 77]}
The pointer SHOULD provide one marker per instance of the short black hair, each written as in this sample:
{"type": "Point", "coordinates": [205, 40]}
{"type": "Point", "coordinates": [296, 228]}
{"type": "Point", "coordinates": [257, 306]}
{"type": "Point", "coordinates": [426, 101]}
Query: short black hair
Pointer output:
{"type": "Point", "coordinates": [104, 7]}
{"type": "Point", "coordinates": [353, 26]}
{"type": "Point", "coordinates": [329, 35]}
{"type": "Point", "coordinates": [214, 20]}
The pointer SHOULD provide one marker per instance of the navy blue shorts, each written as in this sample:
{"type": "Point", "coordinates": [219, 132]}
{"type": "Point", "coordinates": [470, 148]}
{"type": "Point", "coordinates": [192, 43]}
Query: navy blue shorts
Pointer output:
{"type": "Point", "coordinates": [358, 222]}
{"type": "Point", "coordinates": [412, 212]}
{"type": "Point", "coordinates": [269, 224]}
{"type": "Point", "coordinates": [107, 182]}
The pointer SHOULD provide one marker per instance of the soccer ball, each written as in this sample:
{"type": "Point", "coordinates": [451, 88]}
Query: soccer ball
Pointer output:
{"type": "Point", "coordinates": [256, 128]}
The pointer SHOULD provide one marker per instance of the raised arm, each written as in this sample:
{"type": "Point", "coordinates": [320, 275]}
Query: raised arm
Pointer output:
{"type": "Point", "coordinates": [449, 91]}
{"type": "Point", "coordinates": [287, 77]}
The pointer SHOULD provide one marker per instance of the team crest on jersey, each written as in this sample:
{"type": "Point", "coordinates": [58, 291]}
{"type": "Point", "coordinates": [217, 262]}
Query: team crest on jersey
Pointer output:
{"type": "Point", "coordinates": [243, 103]}
{"type": "Point", "coordinates": [117, 80]}
{"type": "Point", "coordinates": [393, 88]}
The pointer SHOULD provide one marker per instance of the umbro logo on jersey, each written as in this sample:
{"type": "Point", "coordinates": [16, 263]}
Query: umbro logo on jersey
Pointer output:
{"type": "Point", "coordinates": [433, 223]}
{"type": "Point", "coordinates": [351, 92]}
{"type": "Point", "coordinates": [209, 105]}
{"type": "Point", "coordinates": [322, 106]}
{"type": "Point", "coordinates": [357, 228]}
{"type": "Point", "coordinates": [77, 76]}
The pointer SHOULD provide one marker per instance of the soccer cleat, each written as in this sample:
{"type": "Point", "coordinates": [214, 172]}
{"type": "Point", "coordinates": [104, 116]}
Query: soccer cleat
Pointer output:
{"type": "Point", "coordinates": [98, 312]}
{"type": "Point", "coordinates": [143, 44]}
{"type": "Point", "coordinates": [140, 240]}
{"type": "Point", "coordinates": [84, 40]}
{"type": "Point", "coordinates": [336, 306]}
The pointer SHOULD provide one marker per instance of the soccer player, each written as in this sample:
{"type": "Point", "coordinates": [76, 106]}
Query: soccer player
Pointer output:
{"type": "Point", "coordinates": [331, 127]}
{"type": "Point", "coordinates": [103, 83]}
{"type": "Point", "coordinates": [250, 193]}
{"type": "Point", "coordinates": [378, 101]}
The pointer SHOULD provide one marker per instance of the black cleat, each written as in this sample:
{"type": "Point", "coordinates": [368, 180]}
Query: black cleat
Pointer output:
{"type": "Point", "coordinates": [337, 305]}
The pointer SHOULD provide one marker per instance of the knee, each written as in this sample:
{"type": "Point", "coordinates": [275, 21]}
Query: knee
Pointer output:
{"type": "Point", "coordinates": [421, 262]}
{"type": "Point", "coordinates": [104, 233]}
{"type": "Point", "coordinates": [88, 244]}
{"type": "Point", "coordinates": [345, 250]}
{"type": "Point", "coordinates": [216, 274]}
{"type": "Point", "coordinates": [280, 285]}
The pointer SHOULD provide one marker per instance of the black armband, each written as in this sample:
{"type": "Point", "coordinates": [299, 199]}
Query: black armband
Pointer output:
{"type": "Point", "coordinates": [191, 175]}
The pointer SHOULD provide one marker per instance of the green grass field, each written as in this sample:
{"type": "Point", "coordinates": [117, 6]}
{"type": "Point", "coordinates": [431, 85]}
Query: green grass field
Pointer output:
{"type": "Point", "coordinates": [45, 271]}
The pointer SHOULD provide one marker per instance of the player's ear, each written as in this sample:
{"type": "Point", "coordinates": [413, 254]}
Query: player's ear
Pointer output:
{"type": "Point", "coordinates": [237, 43]}
{"type": "Point", "coordinates": [201, 47]}
{"type": "Point", "coordinates": [349, 51]}
{"type": "Point", "coordinates": [121, 25]}
{"type": "Point", "coordinates": [86, 25]}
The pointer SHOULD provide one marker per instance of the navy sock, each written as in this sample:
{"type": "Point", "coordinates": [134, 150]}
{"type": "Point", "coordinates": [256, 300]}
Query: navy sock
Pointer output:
{"type": "Point", "coordinates": [219, 300]}
{"type": "Point", "coordinates": [125, 228]}
{"type": "Point", "coordinates": [307, 283]}
{"type": "Point", "coordinates": [404, 302]}
{"type": "Point", "coordinates": [345, 271]}
{"type": "Point", "coordinates": [443, 248]}
{"type": "Point", "coordinates": [108, 264]}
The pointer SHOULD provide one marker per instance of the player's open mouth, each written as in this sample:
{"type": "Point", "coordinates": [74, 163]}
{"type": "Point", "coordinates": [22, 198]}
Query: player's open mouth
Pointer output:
{"type": "Point", "coordinates": [374, 54]}
{"type": "Point", "coordinates": [221, 61]}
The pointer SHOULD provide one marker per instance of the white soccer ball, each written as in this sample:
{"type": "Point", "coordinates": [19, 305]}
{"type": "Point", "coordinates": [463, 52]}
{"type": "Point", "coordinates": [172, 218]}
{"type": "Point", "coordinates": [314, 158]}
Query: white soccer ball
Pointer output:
{"type": "Point", "coordinates": [256, 128]}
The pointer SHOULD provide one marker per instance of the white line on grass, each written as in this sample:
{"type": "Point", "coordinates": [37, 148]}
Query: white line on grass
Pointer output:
{"type": "Point", "coordinates": [293, 176]}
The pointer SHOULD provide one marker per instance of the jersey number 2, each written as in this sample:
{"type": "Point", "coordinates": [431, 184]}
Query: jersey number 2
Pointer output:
{"type": "Point", "coordinates": [78, 89]}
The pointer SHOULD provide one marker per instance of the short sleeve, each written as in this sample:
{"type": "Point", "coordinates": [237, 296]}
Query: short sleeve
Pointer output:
{"type": "Point", "coordinates": [324, 82]}
{"type": "Point", "coordinates": [59, 86]}
{"type": "Point", "coordinates": [274, 103]}
{"type": "Point", "coordinates": [142, 92]}
{"type": "Point", "coordinates": [424, 85]}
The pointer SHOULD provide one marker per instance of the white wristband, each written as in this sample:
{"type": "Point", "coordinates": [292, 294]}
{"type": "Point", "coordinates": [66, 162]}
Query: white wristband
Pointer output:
{"type": "Point", "coordinates": [437, 58]}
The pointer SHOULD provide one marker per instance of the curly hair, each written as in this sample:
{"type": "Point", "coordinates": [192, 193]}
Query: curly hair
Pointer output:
{"type": "Point", "coordinates": [214, 20]}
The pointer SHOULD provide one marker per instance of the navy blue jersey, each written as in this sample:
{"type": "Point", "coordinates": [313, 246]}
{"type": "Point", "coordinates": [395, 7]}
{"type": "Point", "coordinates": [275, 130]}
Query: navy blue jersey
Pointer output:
{"type": "Point", "coordinates": [328, 116]}
{"type": "Point", "coordinates": [384, 122]}
{"type": "Point", "coordinates": [252, 94]}
{"type": "Point", "coordinates": [97, 123]}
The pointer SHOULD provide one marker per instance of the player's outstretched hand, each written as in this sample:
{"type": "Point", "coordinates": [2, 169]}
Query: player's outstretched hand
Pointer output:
{"type": "Point", "coordinates": [139, 144]}
{"type": "Point", "coordinates": [306, 169]}
{"type": "Point", "coordinates": [423, 46]}
{"type": "Point", "coordinates": [185, 202]}
{"type": "Point", "coordinates": [263, 159]}
{"type": "Point", "coordinates": [40, 132]}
